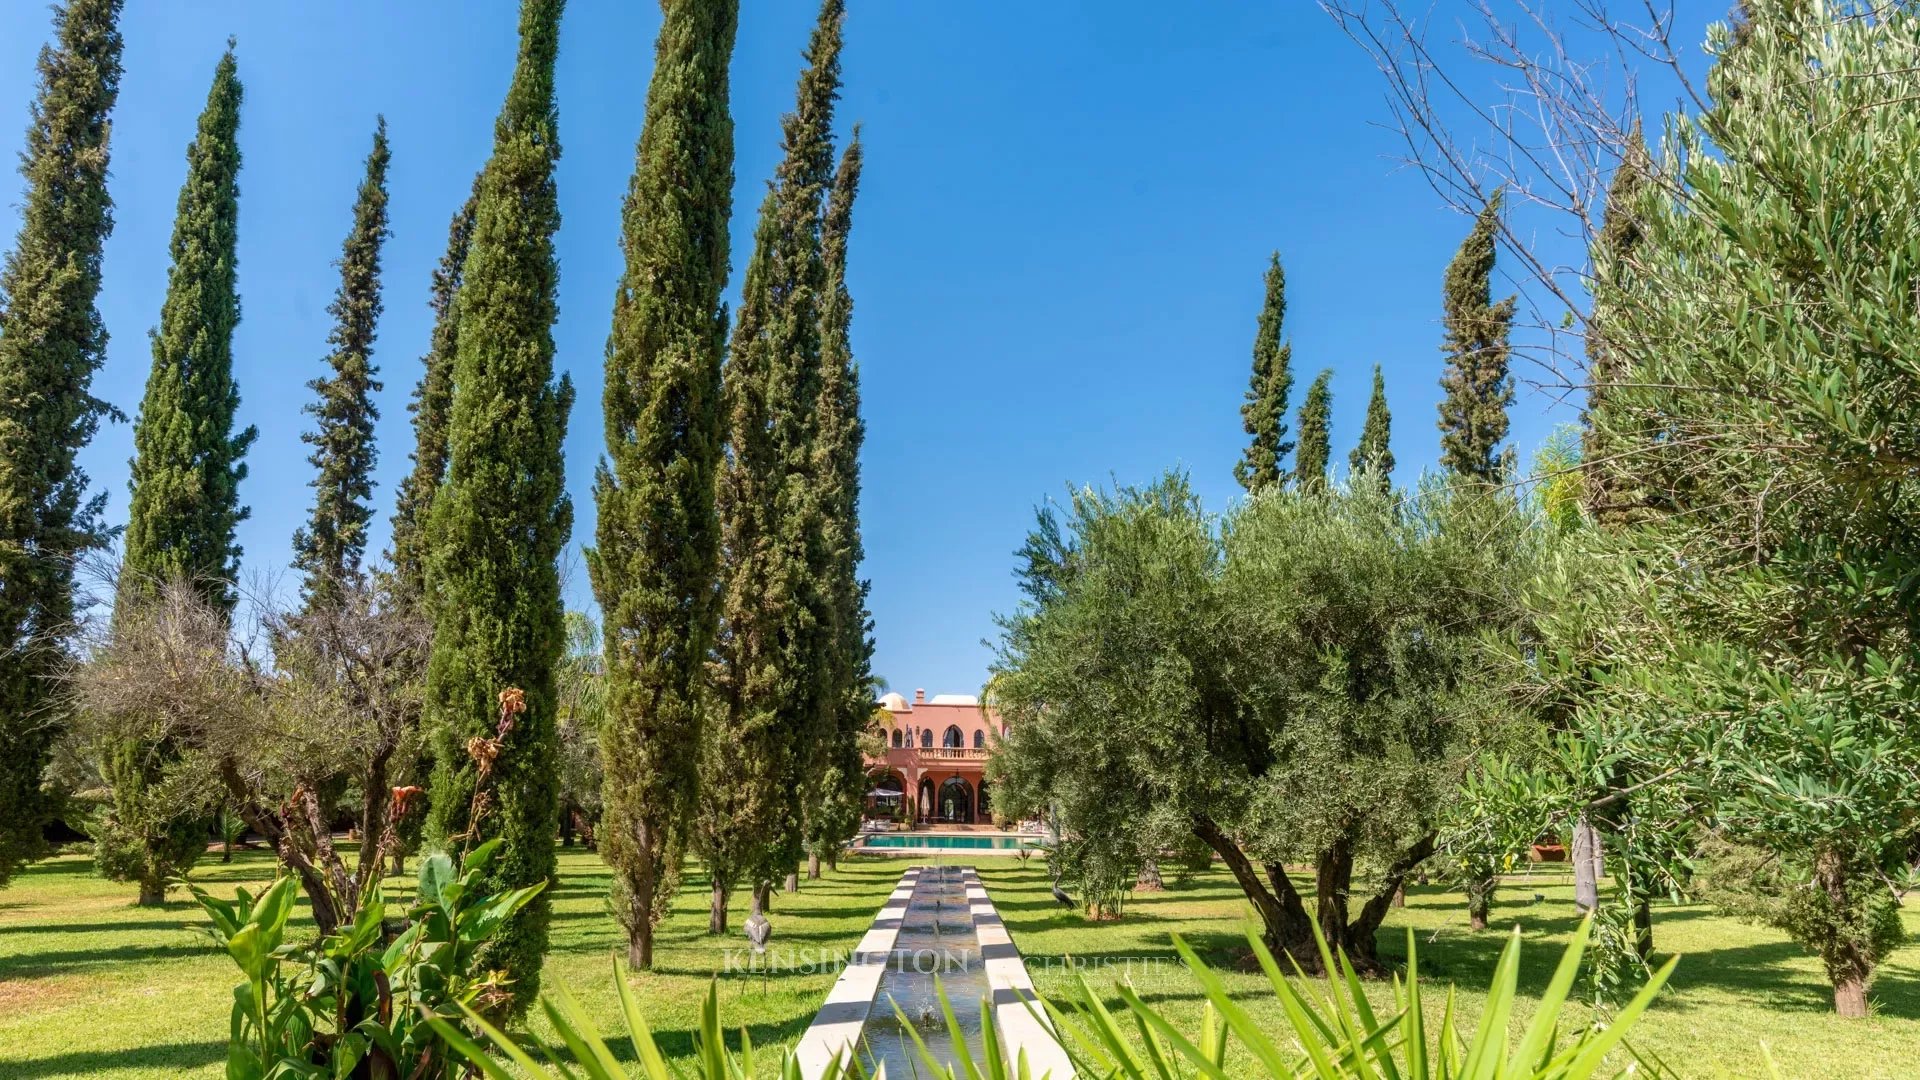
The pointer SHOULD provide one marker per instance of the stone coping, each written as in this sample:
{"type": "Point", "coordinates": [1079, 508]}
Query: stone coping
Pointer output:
{"type": "Point", "coordinates": [835, 1030]}
{"type": "Point", "coordinates": [1023, 1024]}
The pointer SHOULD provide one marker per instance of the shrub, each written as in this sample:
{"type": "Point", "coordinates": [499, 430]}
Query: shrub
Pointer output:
{"type": "Point", "coordinates": [353, 1003]}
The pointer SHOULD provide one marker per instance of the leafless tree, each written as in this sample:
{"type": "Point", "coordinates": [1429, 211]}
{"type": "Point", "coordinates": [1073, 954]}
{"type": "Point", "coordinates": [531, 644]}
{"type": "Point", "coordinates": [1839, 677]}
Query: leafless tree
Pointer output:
{"type": "Point", "coordinates": [1566, 95]}
{"type": "Point", "coordinates": [282, 713]}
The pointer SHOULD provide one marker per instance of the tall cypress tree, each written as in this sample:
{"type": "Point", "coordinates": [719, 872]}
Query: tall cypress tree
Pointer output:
{"type": "Point", "coordinates": [834, 806]}
{"type": "Point", "coordinates": [187, 470]}
{"type": "Point", "coordinates": [1473, 415]}
{"type": "Point", "coordinates": [1611, 494]}
{"type": "Point", "coordinates": [331, 547]}
{"type": "Point", "coordinates": [432, 400]}
{"type": "Point", "coordinates": [1373, 453]}
{"type": "Point", "coordinates": [1316, 433]}
{"type": "Point", "coordinates": [1264, 415]}
{"type": "Point", "coordinates": [500, 519]}
{"type": "Point", "coordinates": [658, 543]}
{"type": "Point", "coordinates": [51, 341]}
{"type": "Point", "coordinates": [775, 612]}
{"type": "Point", "coordinates": [187, 463]}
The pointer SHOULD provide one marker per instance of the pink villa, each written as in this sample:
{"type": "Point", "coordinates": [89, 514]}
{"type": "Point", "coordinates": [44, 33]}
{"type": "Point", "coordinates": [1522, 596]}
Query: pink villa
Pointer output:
{"type": "Point", "coordinates": [936, 757]}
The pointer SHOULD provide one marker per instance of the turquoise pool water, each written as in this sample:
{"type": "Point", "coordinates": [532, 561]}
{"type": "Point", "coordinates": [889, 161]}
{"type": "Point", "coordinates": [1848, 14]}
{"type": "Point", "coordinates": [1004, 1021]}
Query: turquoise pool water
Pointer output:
{"type": "Point", "coordinates": [930, 840]}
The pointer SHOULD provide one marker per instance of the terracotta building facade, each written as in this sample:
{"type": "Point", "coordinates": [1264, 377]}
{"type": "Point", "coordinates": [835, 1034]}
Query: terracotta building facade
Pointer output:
{"type": "Point", "coordinates": [934, 771]}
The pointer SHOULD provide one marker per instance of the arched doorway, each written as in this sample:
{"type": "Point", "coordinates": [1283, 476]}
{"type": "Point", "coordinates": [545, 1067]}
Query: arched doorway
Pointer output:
{"type": "Point", "coordinates": [926, 739]}
{"type": "Point", "coordinates": [956, 801]}
{"type": "Point", "coordinates": [925, 809]}
{"type": "Point", "coordinates": [886, 795]}
{"type": "Point", "coordinates": [953, 739]}
{"type": "Point", "coordinates": [898, 740]}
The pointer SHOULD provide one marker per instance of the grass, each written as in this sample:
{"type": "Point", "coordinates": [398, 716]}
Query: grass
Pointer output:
{"type": "Point", "coordinates": [1738, 986]}
{"type": "Point", "coordinates": [92, 986]}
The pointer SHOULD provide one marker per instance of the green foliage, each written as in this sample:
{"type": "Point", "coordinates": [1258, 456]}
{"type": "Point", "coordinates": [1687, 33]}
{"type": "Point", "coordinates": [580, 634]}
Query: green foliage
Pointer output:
{"type": "Point", "coordinates": [356, 1002]}
{"type": "Point", "coordinates": [581, 1040]}
{"type": "Point", "coordinates": [1612, 495]}
{"type": "Point", "coordinates": [772, 694]}
{"type": "Point", "coordinates": [1264, 415]}
{"type": "Point", "coordinates": [1298, 683]}
{"type": "Point", "coordinates": [1310, 462]}
{"type": "Point", "coordinates": [1332, 1032]}
{"type": "Point", "coordinates": [1335, 1033]}
{"type": "Point", "coordinates": [658, 536]}
{"type": "Point", "coordinates": [1373, 454]}
{"type": "Point", "coordinates": [1473, 415]}
{"type": "Point", "coordinates": [834, 807]}
{"type": "Point", "coordinates": [154, 825]}
{"type": "Point", "coordinates": [502, 516]}
{"type": "Point", "coordinates": [329, 549]}
{"type": "Point", "coordinates": [186, 456]}
{"type": "Point", "coordinates": [1764, 313]}
{"type": "Point", "coordinates": [52, 340]}
{"type": "Point", "coordinates": [583, 719]}
{"type": "Point", "coordinates": [431, 404]}
{"type": "Point", "coordinates": [1848, 918]}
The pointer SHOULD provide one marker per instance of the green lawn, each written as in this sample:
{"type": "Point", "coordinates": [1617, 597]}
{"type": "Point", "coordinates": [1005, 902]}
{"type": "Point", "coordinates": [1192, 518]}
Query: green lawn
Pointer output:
{"type": "Point", "coordinates": [91, 986]}
{"type": "Point", "coordinates": [1737, 986]}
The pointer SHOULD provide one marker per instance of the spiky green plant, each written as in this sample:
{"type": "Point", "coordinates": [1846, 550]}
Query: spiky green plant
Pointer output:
{"type": "Point", "coordinates": [1332, 1032]}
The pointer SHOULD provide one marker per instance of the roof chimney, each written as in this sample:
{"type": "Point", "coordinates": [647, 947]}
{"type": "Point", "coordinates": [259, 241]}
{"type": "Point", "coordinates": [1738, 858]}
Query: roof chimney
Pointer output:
{"type": "Point", "coordinates": [919, 697]}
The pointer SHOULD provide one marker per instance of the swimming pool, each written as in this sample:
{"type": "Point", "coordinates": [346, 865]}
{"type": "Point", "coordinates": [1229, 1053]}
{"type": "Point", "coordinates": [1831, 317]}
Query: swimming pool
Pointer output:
{"type": "Point", "coordinates": [942, 840]}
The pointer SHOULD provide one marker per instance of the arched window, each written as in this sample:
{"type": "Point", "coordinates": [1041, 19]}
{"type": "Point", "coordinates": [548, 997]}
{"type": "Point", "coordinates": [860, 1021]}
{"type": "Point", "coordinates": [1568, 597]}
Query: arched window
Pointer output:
{"type": "Point", "coordinates": [952, 739]}
{"type": "Point", "coordinates": [980, 738]}
{"type": "Point", "coordinates": [926, 739]}
{"type": "Point", "coordinates": [897, 737]}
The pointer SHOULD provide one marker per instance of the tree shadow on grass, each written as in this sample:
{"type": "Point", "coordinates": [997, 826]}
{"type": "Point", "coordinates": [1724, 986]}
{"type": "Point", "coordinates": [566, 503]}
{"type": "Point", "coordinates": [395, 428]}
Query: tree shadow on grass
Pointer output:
{"type": "Point", "coordinates": [168, 1058]}
{"type": "Point", "coordinates": [39, 965]}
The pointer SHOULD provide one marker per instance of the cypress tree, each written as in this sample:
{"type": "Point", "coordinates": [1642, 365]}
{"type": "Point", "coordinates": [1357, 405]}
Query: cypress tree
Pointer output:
{"type": "Point", "coordinates": [187, 463]}
{"type": "Point", "coordinates": [833, 810]}
{"type": "Point", "coordinates": [332, 545]}
{"type": "Point", "coordinates": [1373, 453]}
{"type": "Point", "coordinates": [432, 400]}
{"type": "Point", "coordinates": [501, 517]}
{"type": "Point", "coordinates": [52, 340]}
{"type": "Point", "coordinates": [187, 470]}
{"type": "Point", "coordinates": [1316, 434]}
{"type": "Point", "coordinates": [775, 613]}
{"type": "Point", "coordinates": [1473, 414]}
{"type": "Point", "coordinates": [1611, 494]}
{"type": "Point", "coordinates": [1264, 415]}
{"type": "Point", "coordinates": [658, 542]}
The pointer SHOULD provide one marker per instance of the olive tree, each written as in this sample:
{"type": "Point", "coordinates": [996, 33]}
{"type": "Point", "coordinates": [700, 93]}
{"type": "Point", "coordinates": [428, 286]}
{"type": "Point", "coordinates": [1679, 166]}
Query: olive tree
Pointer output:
{"type": "Point", "coordinates": [279, 719]}
{"type": "Point", "coordinates": [1299, 682]}
{"type": "Point", "coordinates": [1758, 623]}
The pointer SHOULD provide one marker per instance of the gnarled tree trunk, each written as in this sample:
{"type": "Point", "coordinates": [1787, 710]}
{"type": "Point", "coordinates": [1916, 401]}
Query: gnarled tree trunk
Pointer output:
{"type": "Point", "coordinates": [1149, 879]}
{"type": "Point", "coordinates": [1849, 967]}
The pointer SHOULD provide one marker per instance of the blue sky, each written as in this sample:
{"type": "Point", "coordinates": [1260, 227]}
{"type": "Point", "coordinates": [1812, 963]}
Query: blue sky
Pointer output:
{"type": "Point", "coordinates": [1056, 263]}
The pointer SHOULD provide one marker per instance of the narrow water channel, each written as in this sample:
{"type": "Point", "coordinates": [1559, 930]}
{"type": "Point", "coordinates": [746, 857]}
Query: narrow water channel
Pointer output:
{"type": "Point", "coordinates": [936, 939]}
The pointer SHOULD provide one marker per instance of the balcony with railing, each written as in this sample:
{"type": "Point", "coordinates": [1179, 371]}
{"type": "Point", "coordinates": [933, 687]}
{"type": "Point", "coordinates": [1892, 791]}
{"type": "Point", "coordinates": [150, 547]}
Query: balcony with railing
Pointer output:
{"type": "Point", "coordinates": [953, 753]}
